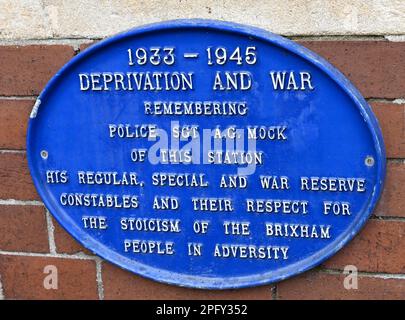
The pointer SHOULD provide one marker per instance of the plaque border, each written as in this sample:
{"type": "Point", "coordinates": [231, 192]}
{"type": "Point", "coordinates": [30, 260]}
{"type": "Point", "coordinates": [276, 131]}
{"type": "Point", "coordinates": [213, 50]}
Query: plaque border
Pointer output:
{"type": "Point", "coordinates": [180, 279]}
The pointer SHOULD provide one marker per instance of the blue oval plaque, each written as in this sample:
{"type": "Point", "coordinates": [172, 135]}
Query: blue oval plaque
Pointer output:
{"type": "Point", "coordinates": [206, 154]}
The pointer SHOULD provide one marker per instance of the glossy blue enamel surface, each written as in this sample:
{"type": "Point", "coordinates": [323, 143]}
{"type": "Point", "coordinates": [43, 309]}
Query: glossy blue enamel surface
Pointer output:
{"type": "Point", "coordinates": [331, 131]}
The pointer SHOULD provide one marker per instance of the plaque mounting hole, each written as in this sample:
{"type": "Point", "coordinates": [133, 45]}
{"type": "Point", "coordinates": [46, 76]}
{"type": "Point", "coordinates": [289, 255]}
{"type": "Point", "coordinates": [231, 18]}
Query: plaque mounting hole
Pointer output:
{"type": "Point", "coordinates": [44, 154]}
{"type": "Point", "coordinates": [369, 161]}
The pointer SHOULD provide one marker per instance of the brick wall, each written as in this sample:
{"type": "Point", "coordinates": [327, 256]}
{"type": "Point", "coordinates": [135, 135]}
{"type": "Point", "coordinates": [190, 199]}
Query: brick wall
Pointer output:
{"type": "Point", "coordinates": [34, 46]}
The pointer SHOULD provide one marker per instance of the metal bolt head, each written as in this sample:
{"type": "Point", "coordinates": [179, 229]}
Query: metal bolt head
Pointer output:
{"type": "Point", "coordinates": [369, 161]}
{"type": "Point", "coordinates": [44, 154]}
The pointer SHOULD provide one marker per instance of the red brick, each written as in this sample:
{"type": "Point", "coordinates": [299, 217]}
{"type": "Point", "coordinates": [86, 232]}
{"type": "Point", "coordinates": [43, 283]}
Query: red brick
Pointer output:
{"type": "Point", "coordinates": [84, 46]}
{"type": "Point", "coordinates": [23, 228]}
{"type": "Point", "coordinates": [14, 116]}
{"type": "Point", "coordinates": [392, 202]}
{"type": "Point", "coordinates": [121, 284]}
{"type": "Point", "coordinates": [314, 285]}
{"type": "Point", "coordinates": [361, 62]}
{"type": "Point", "coordinates": [23, 277]}
{"type": "Point", "coordinates": [379, 247]}
{"type": "Point", "coordinates": [65, 243]}
{"type": "Point", "coordinates": [26, 69]}
{"type": "Point", "coordinates": [391, 118]}
{"type": "Point", "coordinates": [375, 67]}
{"type": "Point", "coordinates": [16, 182]}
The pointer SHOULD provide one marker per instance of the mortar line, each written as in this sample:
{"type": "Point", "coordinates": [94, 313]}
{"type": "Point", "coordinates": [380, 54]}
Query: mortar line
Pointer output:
{"type": "Point", "coordinates": [395, 37]}
{"type": "Point", "coordinates": [77, 256]}
{"type": "Point", "coordinates": [47, 41]}
{"type": "Point", "coordinates": [22, 97]}
{"type": "Point", "coordinates": [34, 97]}
{"type": "Point", "coordinates": [274, 292]}
{"type": "Point", "coordinates": [2, 297]}
{"type": "Point", "coordinates": [386, 100]}
{"type": "Point", "coordinates": [381, 275]}
{"type": "Point", "coordinates": [349, 37]}
{"type": "Point", "coordinates": [399, 100]}
{"type": "Point", "coordinates": [337, 37]}
{"type": "Point", "coordinates": [388, 218]}
{"type": "Point", "coordinates": [77, 41]}
{"type": "Point", "coordinates": [70, 40]}
{"type": "Point", "coordinates": [13, 202]}
{"type": "Point", "coordinates": [21, 151]}
{"type": "Point", "coordinates": [396, 160]}
{"type": "Point", "coordinates": [51, 233]}
{"type": "Point", "coordinates": [99, 279]}
{"type": "Point", "coordinates": [24, 151]}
